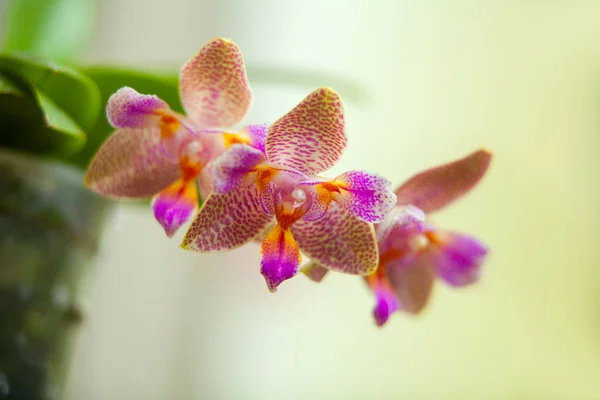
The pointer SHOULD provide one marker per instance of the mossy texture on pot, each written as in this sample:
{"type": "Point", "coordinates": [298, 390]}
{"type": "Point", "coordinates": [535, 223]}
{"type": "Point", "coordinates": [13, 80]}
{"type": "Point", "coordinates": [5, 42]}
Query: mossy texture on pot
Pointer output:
{"type": "Point", "coordinates": [50, 228]}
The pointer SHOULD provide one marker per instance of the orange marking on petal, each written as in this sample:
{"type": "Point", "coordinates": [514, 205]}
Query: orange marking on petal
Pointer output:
{"type": "Point", "coordinates": [285, 219]}
{"type": "Point", "coordinates": [390, 255]}
{"type": "Point", "coordinates": [433, 238]}
{"type": "Point", "coordinates": [189, 169]}
{"type": "Point", "coordinates": [264, 175]}
{"type": "Point", "coordinates": [168, 124]}
{"type": "Point", "coordinates": [230, 139]}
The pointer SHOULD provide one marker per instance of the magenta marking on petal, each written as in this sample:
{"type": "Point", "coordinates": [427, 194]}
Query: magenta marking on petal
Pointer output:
{"type": "Point", "coordinates": [385, 304]}
{"type": "Point", "coordinates": [458, 258]}
{"type": "Point", "coordinates": [367, 196]}
{"type": "Point", "coordinates": [172, 208]}
{"type": "Point", "coordinates": [257, 135]}
{"type": "Point", "coordinates": [280, 257]}
{"type": "Point", "coordinates": [232, 168]}
{"type": "Point", "coordinates": [130, 109]}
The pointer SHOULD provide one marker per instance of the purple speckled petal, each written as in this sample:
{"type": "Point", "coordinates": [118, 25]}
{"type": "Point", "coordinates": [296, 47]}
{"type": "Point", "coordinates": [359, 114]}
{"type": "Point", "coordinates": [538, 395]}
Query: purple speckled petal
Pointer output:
{"type": "Point", "coordinates": [256, 135]}
{"type": "Point", "coordinates": [412, 280]}
{"type": "Point", "coordinates": [234, 168]}
{"type": "Point", "coordinates": [367, 196]}
{"type": "Point", "coordinates": [457, 257]}
{"type": "Point", "coordinates": [314, 271]}
{"type": "Point", "coordinates": [280, 257]}
{"type": "Point", "coordinates": [214, 87]}
{"type": "Point", "coordinates": [175, 205]}
{"type": "Point", "coordinates": [437, 187]}
{"type": "Point", "coordinates": [338, 241]}
{"type": "Point", "coordinates": [310, 138]}
{"type": "Point", "coordinates": [130, 109]}
{"type": "Point", "coordinates": [131, 164]}
{"type": "Point", "coordinates": [227, 221]}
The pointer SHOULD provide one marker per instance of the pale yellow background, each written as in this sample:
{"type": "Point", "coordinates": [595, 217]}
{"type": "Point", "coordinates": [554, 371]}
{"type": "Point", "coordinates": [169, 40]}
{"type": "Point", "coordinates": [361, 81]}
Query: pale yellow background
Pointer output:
{"type": "Point", "coordinates": [521, 78]}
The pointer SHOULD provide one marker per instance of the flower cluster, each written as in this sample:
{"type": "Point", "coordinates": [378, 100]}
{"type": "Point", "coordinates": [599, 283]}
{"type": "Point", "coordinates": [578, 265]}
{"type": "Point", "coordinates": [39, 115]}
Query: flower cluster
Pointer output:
{"type": "Point", "coordinates": [263, 183]}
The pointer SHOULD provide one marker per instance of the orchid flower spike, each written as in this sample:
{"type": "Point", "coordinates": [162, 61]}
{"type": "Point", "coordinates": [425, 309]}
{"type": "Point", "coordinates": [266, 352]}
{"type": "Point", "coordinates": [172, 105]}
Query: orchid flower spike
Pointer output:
{"type": "Point", "coordinates": [157, 152]}
{"type": "Point", "coordinates": [412, 252]}
{"type": "Point", "coordinates": [278, 190]}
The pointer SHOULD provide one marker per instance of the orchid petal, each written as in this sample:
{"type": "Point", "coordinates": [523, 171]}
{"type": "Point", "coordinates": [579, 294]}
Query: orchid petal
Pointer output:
{"type": "Point", "coordinates": [256, 135]}
{"type": "Point", "coordinates": [367, 196]}
{"type": "Point", "coordinates": [314, 271]}
{"type": "Point", "coordinates": [265, 232]}
{"type": "Point", "coordinates": [204, 181]}
{"type": "Point", "coordinates": [385, 301]}
{"type": "Point", "coordinates": [267, 198]}
{"type": "Point", "coordinates": [227, 221]}
{"type": "Point", "coordinates": [457, 257]}
{"type": "Point", "coordinates": [175, 205]}
{"type": "Point", "coordinates": [310, 138]}
{"type": "Point", "coordinates": [129, 109]}
{"type": "Point", "coordinates": [214, 87]}
{"type": "Point", "coordinates": [412, 281]}
{"type": "Point", "coordinates": [338, 241]}
{"type": "Point", "coordinates": [398, 218]}
{"type": "Point", "coordinates": [437, 187]}
{"type": "Point", "coordinates": [234, 167]}
{"type": "Point", "coordinates": [280, 257]}
{"type": "Point", "coordinates": [131, 164]}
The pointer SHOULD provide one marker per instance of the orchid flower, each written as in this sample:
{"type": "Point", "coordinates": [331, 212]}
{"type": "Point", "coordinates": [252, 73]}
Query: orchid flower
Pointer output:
{"type": "Point", "coordinates": [278, 190]}
{"type": "Point", "coordinates": [157, 152]}
{"type": "Point", "coordinates": [412, 251]}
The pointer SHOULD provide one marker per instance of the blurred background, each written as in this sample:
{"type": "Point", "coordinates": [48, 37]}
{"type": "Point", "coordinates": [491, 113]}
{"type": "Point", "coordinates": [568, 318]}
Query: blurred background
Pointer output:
{"type": "Point", "coordinates": [424, 83]}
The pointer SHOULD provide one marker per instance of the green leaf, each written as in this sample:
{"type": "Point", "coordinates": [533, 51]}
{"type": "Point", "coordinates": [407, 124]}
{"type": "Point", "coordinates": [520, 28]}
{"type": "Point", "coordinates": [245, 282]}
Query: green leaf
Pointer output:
{"type": "Point", "coordinates": [56, 29]}
{"type": "Point", "coordinates": [45, 108]}
{"type": "Point", "coordinates": [109, 80]}
{"type": "Point", "coordinates": [28, 125]}
{"type": "Point", "coordinates": [73, 92]}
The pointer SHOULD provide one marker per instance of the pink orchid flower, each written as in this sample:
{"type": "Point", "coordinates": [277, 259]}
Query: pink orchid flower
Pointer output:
{"type": "Point", "coordinates": [412, 252]}
{"type": "Point", "coordinates": [157, 152]}
{"type": "Point", "coordinates": [277, 190]}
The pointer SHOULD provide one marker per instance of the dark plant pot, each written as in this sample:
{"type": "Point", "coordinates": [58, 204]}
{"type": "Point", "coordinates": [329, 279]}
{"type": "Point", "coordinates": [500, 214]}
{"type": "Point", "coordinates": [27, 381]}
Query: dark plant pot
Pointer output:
{"type": "Point", "coordinates": [50, 228]}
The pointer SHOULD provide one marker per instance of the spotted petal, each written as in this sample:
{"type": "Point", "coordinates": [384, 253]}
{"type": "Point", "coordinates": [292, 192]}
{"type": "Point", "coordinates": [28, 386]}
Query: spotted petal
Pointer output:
{"type": "Point", "coordinates": [412, 281]}
{"type": "Point", "coordinates": [280, 257]}
{"type": "Point", "coordinates": [367, 196]}
{"type": "Point", "coordinates": [175, 205]}
{"type": "Point", "coordinates": [214, 87]}
{"type": "Point", "coordinates": [437, 187]}
{"type": "Point", "coordinates": [338, 241]}
{"type": "Point", "coordinates": [227, 221]}
{"type": "Point", "coordinates": [234, 167]}
{"type": "Point", "coordinates": [310, 138]}
{"type": "Point", "coordinates": [458, 258]}
{"type": "Point", "coordinates": [129, 109]}
{"type": "Point", "coordinates": [131, 164]}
